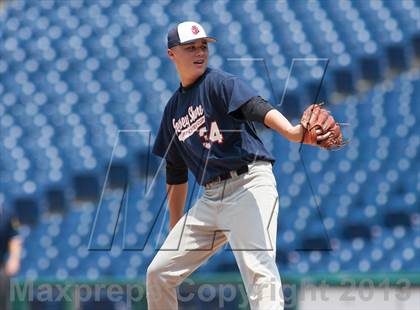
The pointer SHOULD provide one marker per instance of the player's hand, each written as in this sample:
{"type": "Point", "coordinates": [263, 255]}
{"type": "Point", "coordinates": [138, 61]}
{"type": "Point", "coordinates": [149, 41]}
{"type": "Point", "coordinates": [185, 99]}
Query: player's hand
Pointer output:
{"type": "Point", "coordinates": [320, 136]}
{"type": "Point", "coordinates": [320, 128]}
{"type": "Point", "coordinates": [12, 266]}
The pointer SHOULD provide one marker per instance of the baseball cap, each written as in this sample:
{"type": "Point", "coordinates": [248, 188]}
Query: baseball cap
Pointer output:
{"type": "Point", "coordinates": [187, 32]}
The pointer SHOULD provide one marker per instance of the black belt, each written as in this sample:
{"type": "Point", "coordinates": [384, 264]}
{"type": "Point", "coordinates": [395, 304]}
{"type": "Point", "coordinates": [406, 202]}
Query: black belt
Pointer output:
{"type": "Point", "coordinates": [228, 175]}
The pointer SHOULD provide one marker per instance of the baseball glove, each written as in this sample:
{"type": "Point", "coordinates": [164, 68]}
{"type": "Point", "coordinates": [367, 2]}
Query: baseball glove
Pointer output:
{"type": "Point", "coordinates": [317, 121]}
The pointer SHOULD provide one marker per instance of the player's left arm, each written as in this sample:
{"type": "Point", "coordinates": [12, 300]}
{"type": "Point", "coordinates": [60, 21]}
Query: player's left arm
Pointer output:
{"type": "Point", "coordinates": [278, 122]}
{"type": "Point", "coordinates": [259, 110]}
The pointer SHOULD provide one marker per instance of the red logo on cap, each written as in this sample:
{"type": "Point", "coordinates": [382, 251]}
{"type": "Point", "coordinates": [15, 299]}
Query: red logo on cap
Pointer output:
{"type": "Point", "coordinates": [195, 30]}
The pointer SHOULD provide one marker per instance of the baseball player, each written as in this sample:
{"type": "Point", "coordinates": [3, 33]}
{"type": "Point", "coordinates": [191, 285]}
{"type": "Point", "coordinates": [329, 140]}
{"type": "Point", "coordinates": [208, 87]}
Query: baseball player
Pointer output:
{"type": "Point", "coordinates": [10, 250]}
{"type": "Point", "coordinates": [207, 127]}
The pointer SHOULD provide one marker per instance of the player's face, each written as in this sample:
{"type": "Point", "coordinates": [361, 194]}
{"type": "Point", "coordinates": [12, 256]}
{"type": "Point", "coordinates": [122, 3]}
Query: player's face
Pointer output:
{"type": "Point", "coordinates": [190, 60]}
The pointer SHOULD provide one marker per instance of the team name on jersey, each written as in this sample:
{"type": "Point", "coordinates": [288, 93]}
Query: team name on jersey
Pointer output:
{"type": "Point", "coordinates": [186, 125]}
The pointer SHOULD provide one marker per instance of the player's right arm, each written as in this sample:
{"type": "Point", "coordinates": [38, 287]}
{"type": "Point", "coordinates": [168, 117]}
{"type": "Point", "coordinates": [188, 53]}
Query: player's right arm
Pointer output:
{"type": "Point", "coordinates": [177, 195]}
{"type": "Point", "coordinates": [177, 189]}
{"type": "Point", "coordinates": [176, 169]}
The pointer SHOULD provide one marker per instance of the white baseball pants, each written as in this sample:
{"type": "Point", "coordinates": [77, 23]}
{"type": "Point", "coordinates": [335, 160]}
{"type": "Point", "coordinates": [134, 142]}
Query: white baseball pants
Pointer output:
{"type": "Point", "coordinates": [242, 211]}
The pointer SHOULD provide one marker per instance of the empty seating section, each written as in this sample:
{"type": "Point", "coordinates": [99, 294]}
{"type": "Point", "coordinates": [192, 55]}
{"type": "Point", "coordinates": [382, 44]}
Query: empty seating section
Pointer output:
{"type": "Point", "coordinates": [83, 85]}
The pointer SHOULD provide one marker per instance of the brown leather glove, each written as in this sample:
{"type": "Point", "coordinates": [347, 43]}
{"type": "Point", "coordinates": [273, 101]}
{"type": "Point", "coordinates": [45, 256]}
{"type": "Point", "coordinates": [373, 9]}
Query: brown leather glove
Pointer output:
{"type": "Point", "coordinates": [318, 121]}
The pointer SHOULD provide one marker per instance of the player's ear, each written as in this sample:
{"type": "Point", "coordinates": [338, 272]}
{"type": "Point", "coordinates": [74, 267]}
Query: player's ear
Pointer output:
{"type": "Point", "coordinates": [171, 54]}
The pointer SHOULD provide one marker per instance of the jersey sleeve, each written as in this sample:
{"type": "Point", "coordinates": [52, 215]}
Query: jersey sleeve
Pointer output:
{"type": "Point", "coordinates": [254, 110]}
{"type": "Point", "coordinates": [11, 230]}
{"type": "Point", "coordinates": [164, 145]}
{"type": "Point", "coordinates": [236, 93]}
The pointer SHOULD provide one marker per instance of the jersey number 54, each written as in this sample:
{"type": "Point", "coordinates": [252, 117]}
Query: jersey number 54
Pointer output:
{"type": "Point", "coordinates": [207, 138]}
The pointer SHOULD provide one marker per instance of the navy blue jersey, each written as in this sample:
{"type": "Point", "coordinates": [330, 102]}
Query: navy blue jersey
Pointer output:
{"type": "Point", "coordinates": [199, 130]}
{"type": "Point", "coordinates": [7, 232]}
